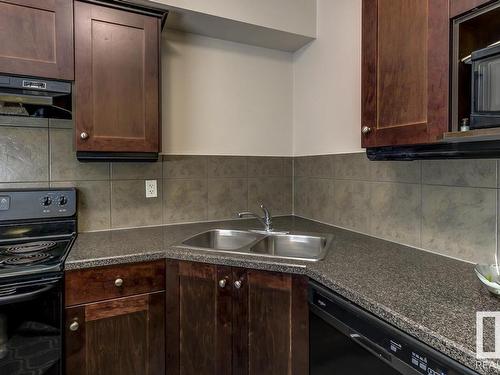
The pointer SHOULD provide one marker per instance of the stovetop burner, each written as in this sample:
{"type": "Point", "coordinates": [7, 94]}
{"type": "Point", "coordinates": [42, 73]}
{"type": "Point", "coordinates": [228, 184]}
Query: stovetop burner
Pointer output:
{"type": "Point", "coordinates": [25, 259]}
{"type": "Point", "coordinates": [29, 247]}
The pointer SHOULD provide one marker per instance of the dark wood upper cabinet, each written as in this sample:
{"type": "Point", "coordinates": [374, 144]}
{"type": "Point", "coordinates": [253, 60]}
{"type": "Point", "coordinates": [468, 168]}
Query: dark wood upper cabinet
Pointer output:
{"type": "Point", "coordinates": [237, 321]}
{"type": "Point", "coordinates": [116, 80]}
{"type": "Point", "coordinates": [458, 7]}
{"type": "Point", "coordinates": [106, 335]}
{"type": "Point", "coordinates": [36, 38]}
{"type": "Point", "coordinates": [405, 68]}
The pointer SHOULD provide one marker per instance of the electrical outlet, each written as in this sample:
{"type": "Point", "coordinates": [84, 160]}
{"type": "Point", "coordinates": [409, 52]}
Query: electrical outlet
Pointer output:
{"type": "Point", "coordinates": [151, 189]}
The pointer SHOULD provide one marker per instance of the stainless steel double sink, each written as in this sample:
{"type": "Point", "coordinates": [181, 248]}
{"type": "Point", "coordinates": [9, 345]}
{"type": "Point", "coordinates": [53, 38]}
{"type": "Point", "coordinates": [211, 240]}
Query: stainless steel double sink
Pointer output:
{"type": "Point", "coordinates": [299, 246]}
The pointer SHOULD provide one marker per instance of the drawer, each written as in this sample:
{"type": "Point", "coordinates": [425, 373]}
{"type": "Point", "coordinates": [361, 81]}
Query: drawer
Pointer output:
{"type": "Point", "coordinates": [101, 283]}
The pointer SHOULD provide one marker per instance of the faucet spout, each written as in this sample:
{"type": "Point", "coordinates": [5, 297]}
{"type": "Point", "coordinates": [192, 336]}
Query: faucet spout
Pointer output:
{"type": "Point", "coordinates": [266, 221]}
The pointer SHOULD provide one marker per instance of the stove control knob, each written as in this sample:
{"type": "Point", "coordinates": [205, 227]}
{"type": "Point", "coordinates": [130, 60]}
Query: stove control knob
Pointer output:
{"type": "Point", "coordinates": [62, 200]}
{"type": "Point", "coordinates": [46, 201]}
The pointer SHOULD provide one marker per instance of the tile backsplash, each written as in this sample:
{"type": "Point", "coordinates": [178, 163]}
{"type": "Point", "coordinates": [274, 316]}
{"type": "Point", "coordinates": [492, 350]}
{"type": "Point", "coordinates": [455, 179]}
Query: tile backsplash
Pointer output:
{"type": "Point", "coordinates": [446, 206]}
{"type": "Point", "coordinates": [450, 207]}
{"type": "Point", "coordinates": [112, 195]}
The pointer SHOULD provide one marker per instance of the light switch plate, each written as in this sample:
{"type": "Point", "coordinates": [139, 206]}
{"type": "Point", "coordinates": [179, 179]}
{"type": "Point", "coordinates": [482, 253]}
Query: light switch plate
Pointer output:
{"type": "Point", "coordinates": [151, 189]}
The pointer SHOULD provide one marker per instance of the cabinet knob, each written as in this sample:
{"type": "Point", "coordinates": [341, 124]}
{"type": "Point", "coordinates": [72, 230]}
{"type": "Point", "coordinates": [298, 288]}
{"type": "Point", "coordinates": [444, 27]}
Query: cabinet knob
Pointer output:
{"type": "Point", "coordinates": [366, 130]}
{"type": "Point", "coordinates": [237, 284]}
{"type": "Point", "coordinates": [118, 282]}
{"type": "Point", "coordinates": [222, 283]}
{"type": "Point", "coordinates": [84, 135]}
{"type": "Point", "coordinates": [74, 326]}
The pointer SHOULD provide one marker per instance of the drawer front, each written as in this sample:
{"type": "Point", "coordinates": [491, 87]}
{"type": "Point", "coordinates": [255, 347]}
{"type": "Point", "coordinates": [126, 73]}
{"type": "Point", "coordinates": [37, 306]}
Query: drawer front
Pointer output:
{"type": "Point", "coordinates": [101, 283]}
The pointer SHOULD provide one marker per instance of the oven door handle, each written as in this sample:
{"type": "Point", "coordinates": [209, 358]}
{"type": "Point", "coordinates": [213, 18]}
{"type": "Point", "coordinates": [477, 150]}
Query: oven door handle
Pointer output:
{"type": "Point", "coordinates": [371, 346]}
{"type": "Point", "coordinates": [20, 297]}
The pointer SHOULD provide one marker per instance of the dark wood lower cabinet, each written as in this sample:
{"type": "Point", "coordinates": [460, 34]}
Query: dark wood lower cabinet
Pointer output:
{"type": "Point", "coordinates": [223, 320]}
{"type": "Point", "coordinates": [123, 336]}
{"type": "Point", "coordinates": [115, 320]}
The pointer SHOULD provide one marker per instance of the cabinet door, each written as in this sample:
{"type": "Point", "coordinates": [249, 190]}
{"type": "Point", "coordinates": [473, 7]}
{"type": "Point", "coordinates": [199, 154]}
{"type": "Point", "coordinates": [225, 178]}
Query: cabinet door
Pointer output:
{"type": "Point", "coordinates": [116, 80]}
{"type": "Point", "coordinates": [124, 336]}
{"type": "Point", "coordinates": [405, 62]}
{"type": "Point", "coordinates": [458, 7]}
{"type": "Point", "coordinates": [36, 38]}
{"type": "Point", "coordinates": [270, 324]}
{"type": "Point", "coordinates": [198, 319]}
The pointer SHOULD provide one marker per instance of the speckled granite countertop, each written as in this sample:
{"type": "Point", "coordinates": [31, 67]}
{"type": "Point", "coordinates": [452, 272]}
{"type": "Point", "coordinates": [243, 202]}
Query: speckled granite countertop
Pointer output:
{"type": "Point", "coordinates": [431, 297]}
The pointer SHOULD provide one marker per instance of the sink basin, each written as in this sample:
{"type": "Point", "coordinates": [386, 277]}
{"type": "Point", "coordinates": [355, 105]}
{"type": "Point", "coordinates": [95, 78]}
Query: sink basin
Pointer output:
{"type": "Point", "coordinates": [307, 247]}
{"type": "Point", "coordinates": [223, 239]}
{"type": "Point", "coordinates": [304, 247]}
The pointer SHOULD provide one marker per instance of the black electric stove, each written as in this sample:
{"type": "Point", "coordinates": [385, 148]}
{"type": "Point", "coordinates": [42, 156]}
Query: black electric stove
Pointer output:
{"type": "Point", "coordinates": [37, 229]}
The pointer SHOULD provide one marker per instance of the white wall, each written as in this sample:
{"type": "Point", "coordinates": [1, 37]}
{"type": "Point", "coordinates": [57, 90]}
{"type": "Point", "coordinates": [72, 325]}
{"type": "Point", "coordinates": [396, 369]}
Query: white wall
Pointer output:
{"type": "Point", "coordinates": [295, 16]}
{"type": "Point", "coordinates": [225, 98]}
{"type": "Point", "coordinates": [327, 83]}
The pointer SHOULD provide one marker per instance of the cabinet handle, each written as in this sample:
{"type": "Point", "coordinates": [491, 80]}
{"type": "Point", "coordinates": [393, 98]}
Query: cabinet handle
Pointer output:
{"type": "Point", "coordinates": [366, 130]}
{"type": "Point", "coordinates": [237, 284]}
{"type": "Point", "coordinates": [74, 326]}
{"type": "Point", "coordinates": [84, 135]}
{"type": "Point", "coordinates": [222, 283]}
{"type": "Point", "coordinates": [118, 282]}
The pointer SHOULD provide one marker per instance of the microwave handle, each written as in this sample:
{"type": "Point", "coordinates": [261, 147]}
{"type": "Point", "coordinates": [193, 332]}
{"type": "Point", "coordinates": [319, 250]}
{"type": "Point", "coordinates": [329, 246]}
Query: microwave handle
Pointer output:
{"type": "Point", "coordinates": [371, 346]}
{"type": "Point", "coordinates": [20, 297]}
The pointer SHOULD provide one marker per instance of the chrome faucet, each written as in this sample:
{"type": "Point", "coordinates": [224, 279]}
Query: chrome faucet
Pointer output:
{"type": "Point", "coordinates": [266, 221]}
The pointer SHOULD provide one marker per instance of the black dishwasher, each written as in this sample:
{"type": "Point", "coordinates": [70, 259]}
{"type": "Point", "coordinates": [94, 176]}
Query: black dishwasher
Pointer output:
{"type": "Point", "coordinates": [345, 339]}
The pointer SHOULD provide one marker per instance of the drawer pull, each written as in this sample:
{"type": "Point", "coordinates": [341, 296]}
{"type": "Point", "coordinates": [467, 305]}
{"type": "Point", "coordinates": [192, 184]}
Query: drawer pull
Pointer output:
{"type": "Point", "coordinates": [118, 282]}
{"type": "Point", "coordinates": [238, 284]}
{"type": "Point", "coordinates": [74, 326]}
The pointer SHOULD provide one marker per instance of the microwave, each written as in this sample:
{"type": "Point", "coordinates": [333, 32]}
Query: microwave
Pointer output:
{"type": "Point", "coordinates": [485, 87]}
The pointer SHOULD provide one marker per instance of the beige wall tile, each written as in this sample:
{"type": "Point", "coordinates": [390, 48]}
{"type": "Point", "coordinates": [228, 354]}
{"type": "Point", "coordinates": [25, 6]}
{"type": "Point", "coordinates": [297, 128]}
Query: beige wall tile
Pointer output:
{"type": "Point", "coordinates": [226, 197]}
{"type": "Point", "coordinates": [395, 212]}
{"type": "Point", "coordinates": [131, 208]}
{"type": "Point", "coordinates": [23, 154]}
{"type": "Point", "coordinates": [184, 166]}
{"type": "Point", "coordinates": [94, 203]}
{"type": "Point", "coordinates": [460, 222]}
{"type": "Point", "coordinates": [136, 171]}
{"type": "Point", "coordinates": [274, 192]}
{"type": "Point", "coordinates": [63, 163]}
{"type": "Point", "coordinates": [473, 173]}
{"type": "Point", "coordinates": [351, 205]}
{"type": "Point", "coordinates": [227, 166]}
{"type": "Point", "coordinates": [184, 200]}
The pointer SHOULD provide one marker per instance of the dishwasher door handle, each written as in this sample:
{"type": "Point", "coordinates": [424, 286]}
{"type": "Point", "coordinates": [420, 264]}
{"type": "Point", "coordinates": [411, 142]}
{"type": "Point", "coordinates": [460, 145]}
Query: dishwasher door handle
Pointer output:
{"type": "Point", "coordinates": [371, 346]}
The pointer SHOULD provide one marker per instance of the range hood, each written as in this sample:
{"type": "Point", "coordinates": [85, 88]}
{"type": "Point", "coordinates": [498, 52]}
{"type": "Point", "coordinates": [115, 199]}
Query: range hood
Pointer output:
{"type": "Point", "coordinates": [34, 97]}
{"type": "Point", "coordinates": [471, 144]}
{"type": "Point", "coordinates": [462, 150]}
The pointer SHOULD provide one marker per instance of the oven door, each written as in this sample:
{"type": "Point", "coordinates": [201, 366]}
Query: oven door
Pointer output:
{"type": "Point", "coordinates": [30, 328]}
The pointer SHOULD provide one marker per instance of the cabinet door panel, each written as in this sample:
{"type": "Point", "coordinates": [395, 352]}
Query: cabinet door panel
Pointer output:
{"type": "Point", "coordinates": [116, 80]}
{"type": "Point", "coordinates": [123, 336]}
{"type": "Point", "coordinates": [36, 38]}
{"type": "Point", "coordinates": [270, 319]}
{"type": "Point", "coordinates": [458, 7]}
{"type": "Point", "coordinates": [404, 71]}
{"type": "Point", "coordinates": [198, 319]}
